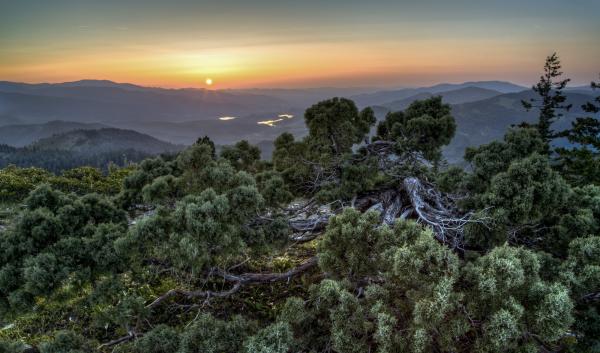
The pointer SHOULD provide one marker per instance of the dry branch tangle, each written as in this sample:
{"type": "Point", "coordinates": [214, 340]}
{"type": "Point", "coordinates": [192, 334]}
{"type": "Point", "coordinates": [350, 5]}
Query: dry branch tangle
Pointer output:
{"type": "Point", "coordinates": [238, 282]}
{"type": "Point", "coordinates": [414, 199]}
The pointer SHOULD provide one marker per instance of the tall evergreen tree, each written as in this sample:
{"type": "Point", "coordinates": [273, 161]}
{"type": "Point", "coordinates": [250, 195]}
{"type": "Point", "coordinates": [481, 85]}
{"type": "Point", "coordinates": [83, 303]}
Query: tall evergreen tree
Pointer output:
{"type": "Point", "coordinates": [551, 99]}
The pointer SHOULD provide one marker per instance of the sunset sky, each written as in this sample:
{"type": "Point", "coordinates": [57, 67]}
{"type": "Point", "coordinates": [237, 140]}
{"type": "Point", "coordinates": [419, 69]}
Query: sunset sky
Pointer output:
{"type": "Point", "coordinates": [304, 43]}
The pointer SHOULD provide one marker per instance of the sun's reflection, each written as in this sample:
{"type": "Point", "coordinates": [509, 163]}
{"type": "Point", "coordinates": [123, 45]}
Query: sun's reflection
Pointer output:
{"type": "Point", "coordinates": [274, 122]}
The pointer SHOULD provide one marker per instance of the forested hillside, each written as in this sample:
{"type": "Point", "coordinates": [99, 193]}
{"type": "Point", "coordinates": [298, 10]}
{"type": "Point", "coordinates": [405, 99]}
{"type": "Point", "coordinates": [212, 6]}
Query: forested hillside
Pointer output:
{"type": "Point", "coordinates": [91, 147]}
{"type": "Point", "coordinates": [25, 134]}
{"type": "Point", "coordinates": [354, 238]}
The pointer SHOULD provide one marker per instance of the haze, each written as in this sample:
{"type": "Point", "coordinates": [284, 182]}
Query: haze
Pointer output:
{"type": "Point", "coordinates": [242, 44]}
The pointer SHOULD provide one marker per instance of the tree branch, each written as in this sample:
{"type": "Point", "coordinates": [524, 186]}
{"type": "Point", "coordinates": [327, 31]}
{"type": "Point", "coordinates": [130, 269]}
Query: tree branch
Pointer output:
{"type": "Point", "coordinates": [238, 280]}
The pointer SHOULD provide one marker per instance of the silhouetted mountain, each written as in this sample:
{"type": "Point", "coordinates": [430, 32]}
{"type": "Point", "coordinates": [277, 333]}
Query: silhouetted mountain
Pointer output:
{"type": "Point", "coordinates": [96, 148]}
{"type": "Point", "coordinates": [500, 86]}
{"type": "Point", "coordinates": [8, 86]}
{"type": "Point", "coordinates": [478, 122]}
{"type": "Point", "coordinates": [103, 140]}
{"type": "Point", "coordinates": [458, 96]}
{"type": "Point", "coordinates": [487, 120]}
{"type": "Point", "coordinates": [22, 135]}
{"type": "Point", "coordinates": [105, 101]}
{"type": "Point", "coordinates": [304, 98]}
{"type": "Point", "coordinates": [251, 127]}
{"type": "Point", "coordinates": [385, 97]}
{"type": "Point", "coordinates": [482, 110]}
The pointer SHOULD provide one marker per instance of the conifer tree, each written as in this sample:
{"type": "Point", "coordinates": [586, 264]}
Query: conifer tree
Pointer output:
{"type": "Point", "coordinates": [551, 101]}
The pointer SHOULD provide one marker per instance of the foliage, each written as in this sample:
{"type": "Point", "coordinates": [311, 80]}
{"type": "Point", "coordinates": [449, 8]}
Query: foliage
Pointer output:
{"type": "Point", "coordinates": [190, 273]}
{"type": "Point", "coordinates": [66, 342]}
{"type": "Point", "coordinates": [57, 161]}
{"type": "Point", "coordinates": [16, 183]}
{"type": "Point", "coordinates": [211, 335]}
{"type": "Point", "coordinates": [580, 163]}
{"type": "Point", "coordinates": [242, 156]}
{"type": "Point", "coordinates": [314, 163]}
{"type": "Point", "coordinates": [348, 244]}
{"type": "Point", "coordinates": [59, 237]}
{"type": "Point", "coordinates": [161, 339]}
{"type": "Point", "coordinates": [488, 160]}
{"type": "Point", "coordinates": [526, 191]}
{"type": "Point", "coordinates": [425, 126]}
{"type": "Point", "coordinates": [336, 124]}
{"type": "Point", "coordinates": [550, 89]}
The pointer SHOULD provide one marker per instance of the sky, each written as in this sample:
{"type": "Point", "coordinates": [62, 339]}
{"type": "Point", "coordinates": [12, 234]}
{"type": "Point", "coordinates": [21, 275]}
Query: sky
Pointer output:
{"type": "Point", "coordinates": [300, 43]}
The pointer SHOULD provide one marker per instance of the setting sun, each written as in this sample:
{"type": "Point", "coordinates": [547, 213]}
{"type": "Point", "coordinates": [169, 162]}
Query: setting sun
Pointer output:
{"type": "Point", "coordinates": [209, 81]}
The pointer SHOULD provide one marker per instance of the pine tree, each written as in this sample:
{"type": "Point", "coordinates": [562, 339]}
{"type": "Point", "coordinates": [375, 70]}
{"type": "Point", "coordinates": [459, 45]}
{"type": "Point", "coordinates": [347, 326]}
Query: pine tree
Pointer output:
{"type": "Point", "coordinates": [551, 98]}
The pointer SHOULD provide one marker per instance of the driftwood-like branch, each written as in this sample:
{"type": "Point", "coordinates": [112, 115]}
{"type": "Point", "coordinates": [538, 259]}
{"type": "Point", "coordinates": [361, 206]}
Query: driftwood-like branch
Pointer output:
{"type": "Point", "coordinates": [310, 224]}
{"type": "Point", "coordinates": [439, 214]}
{"type": "Point", "coordinates": [238, 282]}
{"type": "Point", "coordinates": [130, 336]}
{"type": "Point", "coordinates": [194, 294]}
{"type": "Point", "coordinates": [253, 278]}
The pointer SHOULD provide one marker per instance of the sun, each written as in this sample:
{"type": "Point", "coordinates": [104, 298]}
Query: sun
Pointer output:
{"type": "Point", "coordinates": [209, 81]}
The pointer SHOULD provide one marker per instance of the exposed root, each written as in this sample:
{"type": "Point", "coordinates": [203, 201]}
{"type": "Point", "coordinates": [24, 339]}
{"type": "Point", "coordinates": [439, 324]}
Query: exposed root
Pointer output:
{"type": "Point", "coordinates": [415, 199]}
{"type": "Point", "coordinates": [440, 213]}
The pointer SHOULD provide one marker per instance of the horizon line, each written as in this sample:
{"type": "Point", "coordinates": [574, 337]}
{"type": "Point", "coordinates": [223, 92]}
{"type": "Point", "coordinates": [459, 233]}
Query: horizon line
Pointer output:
{"type": "Point", "coordinates": [366, 87]}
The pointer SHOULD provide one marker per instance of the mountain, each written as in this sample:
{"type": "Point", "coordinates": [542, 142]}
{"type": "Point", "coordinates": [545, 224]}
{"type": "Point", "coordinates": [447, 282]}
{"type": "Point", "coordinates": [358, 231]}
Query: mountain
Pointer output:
{"type": "Point", "coordinates": [304, 98]}
{"type": "Point", "coordinates": [478, 121]}
{"type": "Point", "coordinates": [22, 135]}
{"type": "Point", "coordinates": [106, 101]}
{"type": "Point", "coordinates": [8, 86]}
{"type": "Point", "coordinates": [253, 127]}
{"type": "Point", "coordinates": [385, 97]}
{"type": "Point", "coordinates": [487, 120]}
{"type": "Point", "coordinates": [457, 96]}
{"type": "Point", "coordinates": [500, 86]}
{"type": "Point", "coordinates": [96, 148]}
{"type": "Point", "coordinates": [103, 140]}
{"type": "Point", "coordinates": [101, 101]}
{"type": "Point", "coordinates": [483, 110]}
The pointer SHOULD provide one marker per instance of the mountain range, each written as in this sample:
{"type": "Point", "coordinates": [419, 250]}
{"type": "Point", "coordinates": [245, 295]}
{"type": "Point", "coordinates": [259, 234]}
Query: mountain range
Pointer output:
{"type": "Point", "coordinates": [102, 140]}
{"type": "Point", "coordinates": [20, 135]}
{"type": "Point", "coordinates": [30, 112]}
{"type": "Point", "coordinates": [92, 147]}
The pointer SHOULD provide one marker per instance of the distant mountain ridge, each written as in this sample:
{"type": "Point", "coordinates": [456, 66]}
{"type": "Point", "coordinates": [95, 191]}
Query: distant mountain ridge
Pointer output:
{"type": "Point", "coordinates": [486, 120]}
{"type": "Point", "coordinates": [457, 96]}
{"type": "Point", "coordinates": [103, 140]}
{"type": "Point", "coordinates": [97, 148]}
{"type": "Point", "coordinates": [483, 110]}
{"type": "Point", "coordinates": [387, 96]}
{"type": "Point", "coordinates": [105, 101]}
{"type": "Point", "coordinates": [25, 134]}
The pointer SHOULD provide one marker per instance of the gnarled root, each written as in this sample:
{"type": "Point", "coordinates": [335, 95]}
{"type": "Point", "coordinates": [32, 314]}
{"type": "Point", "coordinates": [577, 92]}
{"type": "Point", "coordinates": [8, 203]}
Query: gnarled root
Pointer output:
{"type": "Point", "coordinates": [415, 199]}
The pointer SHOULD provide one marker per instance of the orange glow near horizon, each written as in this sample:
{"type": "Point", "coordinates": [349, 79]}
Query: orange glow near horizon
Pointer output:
{"type": "Point", "coordinates": [410, 62]}
{"type": "Point", "coordinates": [335, 48]}
{"type": "Point", "coordinates": [301, 64]}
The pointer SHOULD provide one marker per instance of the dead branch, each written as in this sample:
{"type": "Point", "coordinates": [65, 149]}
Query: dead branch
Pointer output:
{"type": "Point", "coordinates": [253, 278]}
{"type": "Point", "coordinates": [238, 282]}
{"type": "Point", "coordinates": [439, 212]}
{"type": "Point", "coordinates": [194, 294]}
{"type": "Point", "coordinates": [130, 336]}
